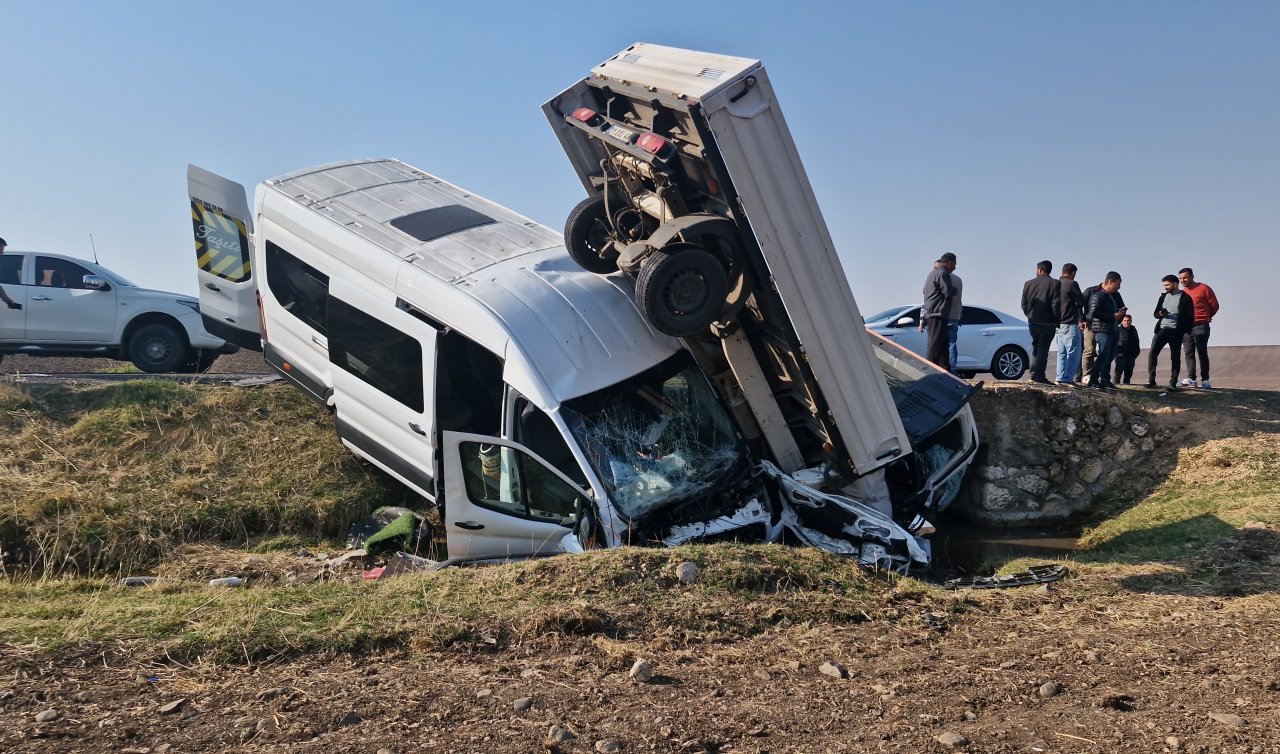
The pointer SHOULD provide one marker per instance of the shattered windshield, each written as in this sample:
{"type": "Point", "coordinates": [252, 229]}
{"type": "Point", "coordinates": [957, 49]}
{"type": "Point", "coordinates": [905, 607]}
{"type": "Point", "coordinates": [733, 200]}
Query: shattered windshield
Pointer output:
{"type": "Point", "coordinates": [656, 438]}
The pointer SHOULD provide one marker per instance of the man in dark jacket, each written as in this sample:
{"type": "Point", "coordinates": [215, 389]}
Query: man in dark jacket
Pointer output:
{"type": "Point", "coordinates": [938, 294]}
{"type": "Point", "coordinates": [1128, 346]}
{"type": "Point", "coordinates": [1104, 312]}
{"type": "Point", "coordinates": [1040, 297]}
{"type": "Point", "coordinates": [1175, 316]}
{"type": "Point", "coordinates": [1070, 334]}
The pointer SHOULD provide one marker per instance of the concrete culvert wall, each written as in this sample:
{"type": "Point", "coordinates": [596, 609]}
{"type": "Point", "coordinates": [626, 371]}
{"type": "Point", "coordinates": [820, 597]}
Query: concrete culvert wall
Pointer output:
{"type": "Point", "coordinates": [1049, 455]}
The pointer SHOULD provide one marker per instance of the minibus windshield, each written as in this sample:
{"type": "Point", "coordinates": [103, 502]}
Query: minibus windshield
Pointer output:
{"type": "Point", "coordinates": [658, 437]}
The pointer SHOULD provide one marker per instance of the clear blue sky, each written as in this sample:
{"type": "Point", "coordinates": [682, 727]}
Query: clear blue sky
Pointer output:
{"type": "Point", "coordinates": [1135, 136]}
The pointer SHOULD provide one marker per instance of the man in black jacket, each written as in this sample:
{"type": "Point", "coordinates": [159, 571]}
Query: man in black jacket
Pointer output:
{"type": "Point", "coordinates": [1040, 303]}
{"type": "Point", "coordinates": [1104, 312]}
{"type": "Point", "coordinates": [1175, 316]}
{"type": "Point", "coordinates": [1070, 333]}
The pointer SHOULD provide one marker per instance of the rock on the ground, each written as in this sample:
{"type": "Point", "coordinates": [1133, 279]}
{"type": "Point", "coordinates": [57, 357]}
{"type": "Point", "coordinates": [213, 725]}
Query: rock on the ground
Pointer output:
{"type": "Point", "coordinates": [351, 718]}
{"type": "Point", "coordinates": [172, 707]}
{"type": "Point", "coordinates": [954, 740]}
{"type": "Point", "coordinates": [641, 671]}
{"type": "Point", "coordinates": [833, 670]}
{"type": "Point", "coordinates": [608, 746]}
{"type": "Point", "coordinates": [47, 716]}
{"type": "Point", "coordinates": [687, 572]}
{"type": "Point", "coordinates": [1228, 719]}
{"type": "Point", "coordinates": [1049, 690]}
{"type": "Point", "coordinates": [522, 704]}
{"type": "Point", "coordinates": [560, 734]}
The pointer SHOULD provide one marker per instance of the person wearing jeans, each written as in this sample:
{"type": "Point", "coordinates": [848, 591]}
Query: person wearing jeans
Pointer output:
{"type": "Point", "coordinates": [1196, 341]}
{"type": "Point", "coordinates": [1070, 335]}
{"type": "Point", "coordinates": [1104, 316]}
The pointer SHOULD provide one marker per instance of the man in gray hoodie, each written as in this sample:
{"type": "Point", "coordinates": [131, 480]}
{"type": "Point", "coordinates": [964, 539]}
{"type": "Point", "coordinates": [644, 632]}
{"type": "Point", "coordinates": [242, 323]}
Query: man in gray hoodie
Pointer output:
{"type": "Point", "coordinates": [1175, 315]}
{"type": "Point", "coordinates": [939, 292]}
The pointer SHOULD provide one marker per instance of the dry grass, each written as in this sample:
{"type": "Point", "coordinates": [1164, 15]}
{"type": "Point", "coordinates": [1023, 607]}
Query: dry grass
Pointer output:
{"type": "Point", "coordinates": [113, 477]}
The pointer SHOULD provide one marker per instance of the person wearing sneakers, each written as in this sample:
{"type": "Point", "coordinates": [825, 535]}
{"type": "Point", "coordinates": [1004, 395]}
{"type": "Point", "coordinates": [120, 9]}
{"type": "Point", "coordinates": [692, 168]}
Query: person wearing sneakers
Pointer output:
{"type": "Point", "coordinates": [4, 296]}
{"type": "Point", "coordinates": [1196, 341]}
{"type": "Point", "coordinates": [1040, 297]}
{"type": "Point", "coordinates": [1104, 313]}
{"type": "Point", "coordinates": [1070, 333]}
{"type": "Point", "coordinates": [1173, 315]}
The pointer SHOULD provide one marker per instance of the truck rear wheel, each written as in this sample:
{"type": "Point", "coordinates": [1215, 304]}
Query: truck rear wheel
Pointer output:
{"type": "Point", "coordinates": [681, 289]}
{"type": "Point", "coordinates": [157, 348]}
{"type": "Point", "coordinates": [588, 235]}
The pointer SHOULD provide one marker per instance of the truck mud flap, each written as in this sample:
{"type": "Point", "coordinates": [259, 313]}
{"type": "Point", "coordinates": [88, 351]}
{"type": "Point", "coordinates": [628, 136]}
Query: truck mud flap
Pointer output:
{"type": "Point", "coordinates": [844, 526]}
{"type": "Point", "coordinates": [1037, 574]}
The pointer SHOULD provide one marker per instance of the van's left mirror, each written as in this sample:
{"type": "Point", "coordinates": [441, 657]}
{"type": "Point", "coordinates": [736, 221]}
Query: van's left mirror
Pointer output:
{"type": "Point", "coordinates": [96, 282]}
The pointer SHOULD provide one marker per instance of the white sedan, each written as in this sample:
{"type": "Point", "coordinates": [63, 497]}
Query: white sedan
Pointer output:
{"type": "Point", "coordinates": [989, 341]}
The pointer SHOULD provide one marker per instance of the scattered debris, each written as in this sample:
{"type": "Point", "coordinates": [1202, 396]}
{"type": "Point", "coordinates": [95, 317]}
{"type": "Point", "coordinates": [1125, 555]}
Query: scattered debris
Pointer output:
{"type": "Point", "coordinates": [227, 581]}
{"type": "Point", "coordinates": [138, 581]}
{"type": "Point", "coordinates": [1039, 574]}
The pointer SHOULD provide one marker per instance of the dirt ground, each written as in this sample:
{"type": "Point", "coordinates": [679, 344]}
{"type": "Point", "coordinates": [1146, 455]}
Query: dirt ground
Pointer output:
{"type": "Point", "coordinates": [1079, 667]}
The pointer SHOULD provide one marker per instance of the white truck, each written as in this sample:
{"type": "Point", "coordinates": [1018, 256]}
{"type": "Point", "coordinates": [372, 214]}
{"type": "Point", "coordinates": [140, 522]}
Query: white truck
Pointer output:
{"type": "Point", "coordinates": [74, 307]}
{"type": "Point", "coordinates": [465, 353]}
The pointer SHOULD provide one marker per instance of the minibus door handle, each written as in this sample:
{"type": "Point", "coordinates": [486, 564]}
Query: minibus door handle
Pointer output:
{"type": "Point", "coordinates": [416, 428]}
{"type": "Point", "coordinates": [469, 525]}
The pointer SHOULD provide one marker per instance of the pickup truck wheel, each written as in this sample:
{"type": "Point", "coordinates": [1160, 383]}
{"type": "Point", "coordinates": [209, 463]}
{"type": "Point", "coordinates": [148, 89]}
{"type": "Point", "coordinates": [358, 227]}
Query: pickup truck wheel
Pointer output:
{"type": "Point", "coordinates": [157, 348]}
{"type": "Point", "coordinates": [589, 236]}
{"type": "Point", "coordinates": [681, 289]}
{"type": "Point", "coordinates": [1009, 363]}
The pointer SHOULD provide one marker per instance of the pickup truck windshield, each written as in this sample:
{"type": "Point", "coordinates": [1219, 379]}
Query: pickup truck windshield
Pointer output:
{"type": "Point", "coordinates": [656, 438]}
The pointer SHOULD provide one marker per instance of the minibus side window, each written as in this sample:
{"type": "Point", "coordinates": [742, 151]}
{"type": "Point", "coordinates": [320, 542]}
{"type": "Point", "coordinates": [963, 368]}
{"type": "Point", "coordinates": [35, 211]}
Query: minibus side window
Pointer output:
{"type": "Point", "coordinates": [376, 353]}
{"type": "Point", "coordinates": [301, 289]}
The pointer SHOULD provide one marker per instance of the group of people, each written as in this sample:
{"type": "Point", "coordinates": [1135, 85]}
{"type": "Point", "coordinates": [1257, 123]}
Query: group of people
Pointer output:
{"type": "Point", "coordinates": [1096, 340]}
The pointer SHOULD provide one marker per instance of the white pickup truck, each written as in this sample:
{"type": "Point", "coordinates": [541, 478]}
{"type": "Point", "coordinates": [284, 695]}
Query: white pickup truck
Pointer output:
{"type": "Point", "coordinates": [74, 307]}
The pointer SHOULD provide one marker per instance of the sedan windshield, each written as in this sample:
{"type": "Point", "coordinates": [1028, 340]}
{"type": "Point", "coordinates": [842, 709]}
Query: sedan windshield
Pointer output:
{"type": "Point", "coordinates": [656, 438]}
{"type": "Point", "coordinates": [887, 314]}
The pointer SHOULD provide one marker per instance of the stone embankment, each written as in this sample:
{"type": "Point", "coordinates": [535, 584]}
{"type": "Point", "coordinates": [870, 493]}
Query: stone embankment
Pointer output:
{"type": "Point", "coordinates": [1049, 455]}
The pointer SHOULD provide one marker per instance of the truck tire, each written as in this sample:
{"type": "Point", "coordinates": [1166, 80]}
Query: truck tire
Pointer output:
{"type": "Point", "coordinates": [158, 347]}
{"type": "Point", "coordinates": [681, 289]}
{"type": "Point", "coordinates": [588, 235]}
{"type": "Point", "coordinates": [1009, 363]}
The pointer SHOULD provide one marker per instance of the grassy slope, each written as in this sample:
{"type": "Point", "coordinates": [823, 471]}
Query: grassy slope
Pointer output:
{"type": "Point", "coordinates": [131, 471]}
{"type": "Point", "coordinates": [110, 478]}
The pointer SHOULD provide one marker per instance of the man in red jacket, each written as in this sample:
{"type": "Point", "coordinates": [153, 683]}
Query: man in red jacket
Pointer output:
{"type": "Point", "coordinates": [1196, 342]}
